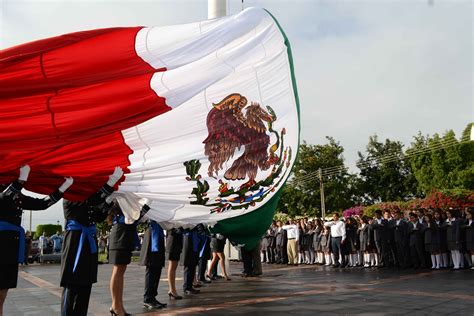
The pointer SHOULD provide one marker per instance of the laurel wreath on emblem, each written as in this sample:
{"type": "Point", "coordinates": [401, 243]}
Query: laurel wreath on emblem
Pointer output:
{"type": "Point", "coordinates": [229, 129]}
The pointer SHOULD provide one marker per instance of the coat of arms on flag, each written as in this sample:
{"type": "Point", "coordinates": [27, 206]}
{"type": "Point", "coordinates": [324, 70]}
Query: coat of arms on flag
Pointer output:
{"type": "Point", "coordinates": [231, 131]}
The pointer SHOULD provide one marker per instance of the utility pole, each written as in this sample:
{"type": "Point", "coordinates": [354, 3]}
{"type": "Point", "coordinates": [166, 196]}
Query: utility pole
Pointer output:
{"type": "Point", "coordinates": [321, 189]}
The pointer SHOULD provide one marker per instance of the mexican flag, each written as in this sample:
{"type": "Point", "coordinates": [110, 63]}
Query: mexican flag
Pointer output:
{"type": "Point", "coordinates": [203, 118]}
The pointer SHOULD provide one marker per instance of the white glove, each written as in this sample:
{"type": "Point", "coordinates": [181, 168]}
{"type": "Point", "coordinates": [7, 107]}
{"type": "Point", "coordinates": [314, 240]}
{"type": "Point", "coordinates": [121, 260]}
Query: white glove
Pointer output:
{"type": "Point", "coordinates": [66, 184]}
{"type": "Point", "coordinates": [114, 177]}
{"type": "Point", "coordinates": [24, 172]}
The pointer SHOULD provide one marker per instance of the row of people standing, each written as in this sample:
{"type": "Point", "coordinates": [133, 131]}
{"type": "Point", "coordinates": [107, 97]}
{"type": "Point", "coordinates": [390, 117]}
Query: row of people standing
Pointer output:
{"type": "Point", "coordinates": [193, 247]}
{"type": "Point", "coordinates": [387, 239]}
{"type": "Point", "coordinates": [79, 254]}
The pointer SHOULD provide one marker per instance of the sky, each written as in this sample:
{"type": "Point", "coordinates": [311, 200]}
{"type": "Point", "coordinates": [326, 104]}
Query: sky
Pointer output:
{"type": "Point", "coordinates": [391, 68]}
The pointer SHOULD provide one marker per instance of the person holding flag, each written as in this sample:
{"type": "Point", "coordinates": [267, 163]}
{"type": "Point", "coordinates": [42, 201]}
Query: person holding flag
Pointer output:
{"type": "Point", "coordinates": [12, 235]}
{"type": "Point", "coordinates": [79, 259]}
{"type": "Point", "coordinates": [122, 241]}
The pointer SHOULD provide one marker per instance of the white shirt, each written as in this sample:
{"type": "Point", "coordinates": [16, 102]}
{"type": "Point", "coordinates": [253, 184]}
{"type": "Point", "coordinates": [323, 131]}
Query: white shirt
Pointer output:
{"type": "Point", "coordinates": [292, 231]}
{"type": "Point", "coordinates": [338, 229]}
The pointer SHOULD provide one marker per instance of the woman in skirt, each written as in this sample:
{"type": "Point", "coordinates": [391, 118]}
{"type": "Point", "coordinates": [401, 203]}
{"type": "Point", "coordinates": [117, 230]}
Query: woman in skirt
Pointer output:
{"type": "Point", "coordinates": [317, 241]}
{"type": "Point", "coordinates": [350, 242]}
{"type": "Point", "coordinates": [364, 240]}
{"type": "Point", "coordinates": [122, 241]}
{"type": "Point", "coordinates": [432, 241]}
{"type": "Point", "coordinates": [217, 249]}
{"type": "Point", "coordinates": [12, 235]}
{"type": "Point", "coordinates": [453, 234]}
{"type": "Point", "coordinates": [469, 235]}
{"type": "Point", "coordinates": [174, 247]}
{"type": "Point", "coordinates": [326, 245]}
{"type": "Point", "coordinates": [443, 244]}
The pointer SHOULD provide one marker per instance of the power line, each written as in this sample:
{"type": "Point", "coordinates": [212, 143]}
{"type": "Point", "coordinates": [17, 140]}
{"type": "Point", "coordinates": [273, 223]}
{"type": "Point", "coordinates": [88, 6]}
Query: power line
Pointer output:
{"type": "Point", "coordinates": [381, 159]}
{"type": "Point", "coordinates": [386, 158]}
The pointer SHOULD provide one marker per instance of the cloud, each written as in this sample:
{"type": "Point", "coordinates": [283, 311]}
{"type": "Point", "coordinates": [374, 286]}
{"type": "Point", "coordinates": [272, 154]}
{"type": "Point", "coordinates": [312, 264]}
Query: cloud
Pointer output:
{"type": "Point", "coordinates": [388, 67]}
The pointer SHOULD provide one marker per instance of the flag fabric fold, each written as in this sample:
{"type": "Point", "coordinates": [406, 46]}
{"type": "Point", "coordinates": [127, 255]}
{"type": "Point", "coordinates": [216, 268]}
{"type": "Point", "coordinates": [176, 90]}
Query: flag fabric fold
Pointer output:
{"type": "Point", "coordinates": [203, 117]}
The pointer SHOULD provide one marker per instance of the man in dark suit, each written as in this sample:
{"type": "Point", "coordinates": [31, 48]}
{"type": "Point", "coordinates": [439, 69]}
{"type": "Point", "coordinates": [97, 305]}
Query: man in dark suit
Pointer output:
{"type": "Point", "coordinates": [281, 240]}
{"type": "Point", "coordinates": [379, 226]}
{"type": "Point", "coordinates": [391, 245]}
{"type": "Point", "coordinates": [416, 242]}
{"type": "Point", "coordinates": [400, 238]}
{"type": "Point", "coordinates": [190, 260]}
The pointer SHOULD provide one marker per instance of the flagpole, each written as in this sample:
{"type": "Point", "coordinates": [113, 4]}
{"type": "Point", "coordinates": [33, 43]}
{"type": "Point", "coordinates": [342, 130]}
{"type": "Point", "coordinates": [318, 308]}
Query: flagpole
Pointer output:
{"type": "Point", "coordinates": [217, 9]}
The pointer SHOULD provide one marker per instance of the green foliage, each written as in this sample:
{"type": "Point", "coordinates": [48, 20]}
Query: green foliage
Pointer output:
{"type": "Point", "coordinates": [302, 195]}
{"type": "Point", "coordinates": [443, 163]}
{"type": "Point", "coordinates": [49, 229]}
{"type": "Point", "coordinates": [385, 175]}
{"type": "Point", "coordinates": [386, 206]}
{"type": "Point", "coordinates": [281, 217]}
{"type": "Point", "coordinates": [103, 228]}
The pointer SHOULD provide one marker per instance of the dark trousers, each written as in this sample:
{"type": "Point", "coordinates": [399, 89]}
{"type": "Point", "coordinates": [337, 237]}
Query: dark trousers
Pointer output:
{"type": "Point", "coordinates": [417, 256]}
{"type": "Point", "coordinates": [281, 255]}
{"type": "Point", "coordinates": [402, 255]}
{"type": "Point", "coordinates": [271, 254]}
{"type": "Point", "coordinates": [152, 280]}
{"type": "Point", "coordinates": [247, 260]}
{"type": "Point", "coordinates": [336, 248]}
{"type": "Point", "coordinates": [75, 300]}
{"type": "Point", "coordinates": [189, 272]}
{"type": "Point", "coordinates": [202, 268]}
{"type": "Point", "coordinates": [392, 258]}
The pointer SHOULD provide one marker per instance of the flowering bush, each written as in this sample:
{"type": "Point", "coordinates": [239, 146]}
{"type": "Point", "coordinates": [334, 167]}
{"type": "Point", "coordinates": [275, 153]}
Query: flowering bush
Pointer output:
{"type": "Point", "coordinates": [445, 200]}
{"type": "Point", "coordinates": [353, 211]}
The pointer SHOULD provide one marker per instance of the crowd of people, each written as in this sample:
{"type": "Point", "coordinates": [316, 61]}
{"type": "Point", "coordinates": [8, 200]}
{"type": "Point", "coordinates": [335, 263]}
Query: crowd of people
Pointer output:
{"type": "Point", "coordinates": [436, 239]}
{"type": "Point", "coordinates": [79, 247]}
{"type": "Point", "coordinates": [444, 238]}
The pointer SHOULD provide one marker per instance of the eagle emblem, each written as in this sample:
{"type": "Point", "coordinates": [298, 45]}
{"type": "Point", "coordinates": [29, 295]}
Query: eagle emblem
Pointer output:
{"type": "Point", "coordinates": [236, 128]}
{"type": "Point", "coordinates": [230, 129]}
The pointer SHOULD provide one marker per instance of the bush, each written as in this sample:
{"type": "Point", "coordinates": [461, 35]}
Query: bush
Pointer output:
{"type": "Point", "coordinates": [386, 206]}
{"type": "Point", "coordinates": [353, 211]}
{"type": "Point", "coordinates": [49, 229]}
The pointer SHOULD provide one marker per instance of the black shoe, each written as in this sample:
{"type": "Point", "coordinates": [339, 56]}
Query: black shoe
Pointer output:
{"type": "Point", "coordinates": [191, 291]}
{"type": "Point", "coordinates": [205, 281]}
{"type": "Point", "coordinates": [154, 304]}
{"type": "Point", "coordinates": [335, 265]}
{"type": "Point", "coordinates": [176, 297]}
{"type": "Point", "coordinates": [113, 313]}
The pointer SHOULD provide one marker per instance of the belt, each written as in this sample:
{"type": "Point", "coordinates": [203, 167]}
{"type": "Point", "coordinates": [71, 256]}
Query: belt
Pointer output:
{"type": "Point", "coordinates": [86, 232]}
{"type": "Point", "coordinates": [291, 238]}
{"type": "Point", "coordinates": [6, 226]}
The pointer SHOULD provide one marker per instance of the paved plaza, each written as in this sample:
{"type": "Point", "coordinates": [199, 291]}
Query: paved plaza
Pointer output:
{"type": "Point", "coordinates": [303, 290]}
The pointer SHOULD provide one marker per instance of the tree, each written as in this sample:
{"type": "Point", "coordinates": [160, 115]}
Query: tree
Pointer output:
{"type": "Point", "coordinates": [301, 196]}
{"type": "Point", "coordinates": [49, 229]}
{"type": "Point", "coordinates": [385, 174]}
{"type": "Point", "coordinates": [443, 163]}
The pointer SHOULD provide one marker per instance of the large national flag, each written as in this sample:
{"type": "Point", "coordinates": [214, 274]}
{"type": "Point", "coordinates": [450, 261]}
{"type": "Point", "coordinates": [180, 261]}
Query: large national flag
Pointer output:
{"type": "Point", "coordinates": [203, 117]}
